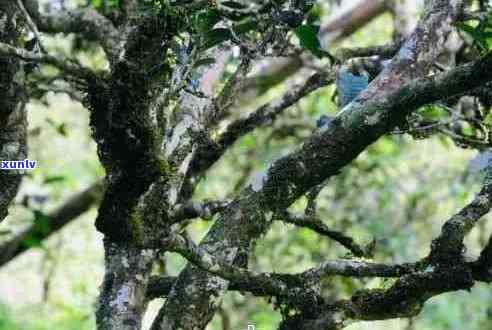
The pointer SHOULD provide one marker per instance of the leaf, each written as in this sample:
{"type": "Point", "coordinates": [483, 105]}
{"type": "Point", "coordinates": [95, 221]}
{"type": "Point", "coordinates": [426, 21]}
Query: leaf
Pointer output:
{"type": "Point", "coordinates": [41, 222]}
{"type": "Point", "coordinates": [488, 38]}
{"type": "Point", "coordinates": [61, 128]}
{"type": "Point", "coordinates": [54, 178]}
{"type": "Point", "coordinates": [308, 38]}
{"type": "Point", "coordinates": [204, 61]}
{"type": "Point", "coordinates": [467, 129]}
{"type": "Point", "coordinates": [465, 28]}
{"type": "Point", "coordinates": [206, 20]}
{"type": "Point", "coordinates": [475, 33]}
{"type": "Point", "coordinates": [315, 14]}
{"type": "Point", "coordinates": [244, 27]}
{"type": "Point", "coordinates": [215, 37]}
{"type": "Point", "coordinates": [233, 5]}
{"type": "Point", "coordinates": [432, 113]}
{"type": "Point", "coordinates": [41, 228]}
{"type": "Point", "coordinates": [31, 242]}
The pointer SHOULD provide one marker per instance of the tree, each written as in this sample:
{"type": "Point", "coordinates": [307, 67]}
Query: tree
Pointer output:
{"type": "Point", "coordinates": [159, 133]}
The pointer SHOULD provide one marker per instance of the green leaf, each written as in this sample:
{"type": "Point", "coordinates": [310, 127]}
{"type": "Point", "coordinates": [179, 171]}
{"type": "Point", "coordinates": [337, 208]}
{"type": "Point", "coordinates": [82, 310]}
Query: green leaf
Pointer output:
{"type": "Point", "coordinates": [466, 28]}
{"type": "Point", "coordinates": [205, 20]}
{"type": "Point", "coordinates": [233, 5]}
{"type": "Point", "coordinates": [61, 128]}
{"type": "Point", "coordinates": [315, 14]}
{"type": "Point", "coordinates": [215, 37]}
{"type": "Point", "coordinates": [432, 113]}
{"type": "Point", "coordinates": [488, 38]}
{"type": "Point", "coordinates": [308, 38]}
{"type": "Point", "coordinates": [488, 119]}
{"type": "Point", "coordinates": [244, 27]}
{"type": "Point", "coordinates": [467, 129]}
{"type": "Point", "coordinates": [31, 242]}
{"type": "Point", "coordinates": [204, 61]}
{"type": "Point", "coordinates": [41, 228]}
{"type": "Point", "coordinates": [54, 178]}
{"type": "Point", "coordinates": [475, 33]}
{"type": "Point", "coordinates": [41, 222]}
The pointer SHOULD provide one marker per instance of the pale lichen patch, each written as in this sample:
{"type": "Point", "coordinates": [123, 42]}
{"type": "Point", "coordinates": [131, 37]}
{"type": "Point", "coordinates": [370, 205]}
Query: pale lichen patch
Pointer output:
{"type": "Point", "coordinates": [258, 180]}
{"type": "Point", "coordinates": [178, 132]}
{"type": "Point", "coordinates": [373, 119]}
{"type": "Point", "coordinates": [123, 298]}
{"type": "Point", "coordinates": [124, 262]}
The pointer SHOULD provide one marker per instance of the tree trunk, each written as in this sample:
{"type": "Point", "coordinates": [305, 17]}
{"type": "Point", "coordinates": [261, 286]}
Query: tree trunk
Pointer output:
{"type": "Point", "coordinates": [13, 124]}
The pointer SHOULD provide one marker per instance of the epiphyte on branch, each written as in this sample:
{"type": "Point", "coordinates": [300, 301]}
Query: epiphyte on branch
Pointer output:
{"type": "Point", "coordinates": [350, 81]}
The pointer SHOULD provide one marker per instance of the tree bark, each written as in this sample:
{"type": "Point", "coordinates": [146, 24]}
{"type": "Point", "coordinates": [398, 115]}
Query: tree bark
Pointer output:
{"type": "Point", "coordinates": [13, 124]}
{"type": "Point", "coordinates": [123, 300]}
{"type": "Point", "coordinates": [197, 294]}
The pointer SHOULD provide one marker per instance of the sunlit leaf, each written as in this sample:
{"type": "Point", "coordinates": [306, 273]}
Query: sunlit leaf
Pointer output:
{"type": "Point", "coordinates": [54, 179]}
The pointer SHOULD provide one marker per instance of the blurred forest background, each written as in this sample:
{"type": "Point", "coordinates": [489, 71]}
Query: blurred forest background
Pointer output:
{"type": "Point", "coordinates": [398, 192]}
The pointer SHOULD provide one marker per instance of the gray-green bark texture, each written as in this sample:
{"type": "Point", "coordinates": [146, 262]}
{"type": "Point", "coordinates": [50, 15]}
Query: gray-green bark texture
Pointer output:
{"type": "Point", "coordinates": [13, 123]}
{"type": "Point", "coordinates": [158, 133]}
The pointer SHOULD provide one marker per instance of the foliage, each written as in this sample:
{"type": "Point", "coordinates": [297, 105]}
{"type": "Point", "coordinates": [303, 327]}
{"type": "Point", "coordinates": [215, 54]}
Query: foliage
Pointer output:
{"type": "Point", "coordinates": [480, 30]}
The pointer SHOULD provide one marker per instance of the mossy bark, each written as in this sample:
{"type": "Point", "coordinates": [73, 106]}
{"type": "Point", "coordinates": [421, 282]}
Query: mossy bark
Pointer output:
{"type": "Point", "coordinates": [13, 124]}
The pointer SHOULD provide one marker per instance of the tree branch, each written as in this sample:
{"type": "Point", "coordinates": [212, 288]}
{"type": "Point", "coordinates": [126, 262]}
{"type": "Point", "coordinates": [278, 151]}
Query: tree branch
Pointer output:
{"type": "Point", "coordinates": [192, 210]}
{"type": "Point", "coordinates": [207, 156]}
{"type": "Point", "coordinates": [442, 271]}
{"type": "Point", "coordinates": [352, 20]}
{"type": "Point", "coordinates": [62, 64]}
{"type": "Point", "coordinates": [319, 227]}
{"type": "Point", "coordinates": [450, 243]}
{"type": "Point", "coordinates": [85, 21]}
{"type": "Point", "coordinates": [375, 112]}
{"type": "Point", "coordinates": [295, 289]}
{"type": "Point", "coordinates": [482, 268]}
{"type": "Point", "coordinates": [70, 210]}
{"type": "Point", "coordinates": [31, 24]}
{"type": "Point", "coordinates": [383, 51]}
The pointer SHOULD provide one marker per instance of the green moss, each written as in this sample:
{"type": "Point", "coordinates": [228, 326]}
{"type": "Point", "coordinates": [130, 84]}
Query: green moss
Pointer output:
{"type": "Point", "coordinates": [136, 225]}
{"type": "Point", "coordinates": [163, 166]}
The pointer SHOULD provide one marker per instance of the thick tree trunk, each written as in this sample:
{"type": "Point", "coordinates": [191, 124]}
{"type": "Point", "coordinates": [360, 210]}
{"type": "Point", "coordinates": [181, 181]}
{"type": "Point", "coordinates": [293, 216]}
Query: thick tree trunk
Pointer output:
{"type": "Point", "coordinates": [13, 122]}
{"type": "Point", "coordinates": [122, 301]}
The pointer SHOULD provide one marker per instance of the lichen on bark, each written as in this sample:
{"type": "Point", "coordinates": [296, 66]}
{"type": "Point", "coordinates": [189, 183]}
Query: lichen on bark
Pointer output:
{"type": "Point", "coordinates": [13, 124]}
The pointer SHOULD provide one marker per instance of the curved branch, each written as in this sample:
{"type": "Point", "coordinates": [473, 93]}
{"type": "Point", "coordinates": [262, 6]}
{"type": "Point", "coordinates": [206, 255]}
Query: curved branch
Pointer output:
{"type": "Point", "coordinates": [293, 288]}
{"type": "Point", "coordinates": [70, 210]}
{"type": "Point", "coordinates": [444, 270]}
{"type": "Point", "coordinates": [62, 64]}
{"type": "Point", "coordinates": [31, 24]}
{"type": "Point", "coordinates": [207, 156]}
{"type": "Point", "coordinates": [375, 112]}
{"type": "Point", "coordinates": [449, 244]}
{"type": "Point", "coordinates": [352, 20]}
{"type": "Point", "coordinates": [192, 210]}
{"type": "Point", "coordinates": [85, 21]}
{"type": "Point", "coordinates": [319, 227]}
